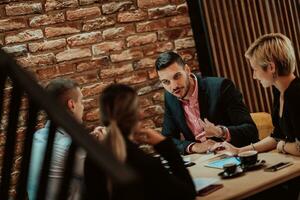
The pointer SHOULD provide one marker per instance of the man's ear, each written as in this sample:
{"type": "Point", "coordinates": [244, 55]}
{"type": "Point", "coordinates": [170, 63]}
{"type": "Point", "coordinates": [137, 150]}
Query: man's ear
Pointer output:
{"type": "Point", "coordinates": [272, 67]}
{"type": "Point", "coordinates": [70, 104]}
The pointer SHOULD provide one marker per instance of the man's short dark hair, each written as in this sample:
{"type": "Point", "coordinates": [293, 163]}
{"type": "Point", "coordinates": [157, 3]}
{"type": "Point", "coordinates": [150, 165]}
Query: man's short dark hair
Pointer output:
{"type": "Point", "coordinates": [63, 89]}
{"type": "Point", "coordinates": [166, 59]}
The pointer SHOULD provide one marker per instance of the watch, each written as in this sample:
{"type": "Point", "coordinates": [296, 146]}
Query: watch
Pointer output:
{"type": "Point", "coordinates": [224, 131]}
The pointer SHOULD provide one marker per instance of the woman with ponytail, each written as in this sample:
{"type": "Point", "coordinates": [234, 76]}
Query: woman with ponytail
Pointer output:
{"type": "Point", "coordinates": [120, 114]}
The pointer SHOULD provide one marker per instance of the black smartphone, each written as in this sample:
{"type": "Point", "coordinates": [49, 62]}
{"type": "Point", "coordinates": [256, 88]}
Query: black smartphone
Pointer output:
{"type": "Point", "coordinates": [188, 163]}
{"type": "Point", "coordinates": [209, 189]}
{"type": "Point", "coordinates": [278, 166]}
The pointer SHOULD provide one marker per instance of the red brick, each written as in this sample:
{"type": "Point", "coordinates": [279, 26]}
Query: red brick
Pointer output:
{"type": "Point", "coordinates": [144, 101]}
{"type": "Point", "coordinates": [137, 77]}
{"type": "Point", "coordinates": [147, 123]}
{"type": "Point", "coordinates": [61, 30]}
{"type": "Point", "coordinates": [47, 73]}
{"type": "Point", "coordinates": [84, 39]}
{"type": "Point", "coordinates": [94, 89]}
{"type": "Point", "coordinates": [144, 63]}
{"type": "Point", "coordinates": [153, 110]}
{"type": "Point", "coordinates": [141, 39]}
{"type": "Point", "coordinates": [152, 74]}
{"type": "Point", "coordinates": [184, 43]}
{"type": "Point", "coordinates": [87, 2]}
{"type": "Point", "coordinates": [1, 39]}
{"type": "Point", "coordinates": [151, 25]}
{"type": "Point", "coordinates": [132, 16]}
{"type": "Point", "coordinates": [23, 8]}
{"type": "Point", "coordinates": [158, 120]}
{"type": "Point", "coordinates": [182, 8]}
{"type": "Point", "coordinates": [155, 13]}
{"type": "Point", "coordinates": [60, 4]}
{"type": "Point", "coordinates": [158, 96]}
{"type": "Point", "coordinates": [194, 65]}
{"type": "Point", "coordinates": [71, 54]}
{"type": "Point", "coordinates": [108, 46]}
{"type": "Point", "coordinates": [92, 115]}
{"type": "Point", "coordinates": [90, 103]}
{"type": "Point", "coordinates": [94, 64]}
{"type": "Point", "coordinates": [42, 20]}
{"type": "Point", "coordinates": [113, 7]}
{"type": "Point", "coordinates": [24, 36]}
{"type": "Point", "coordinates": [37, 60]}
{"type": "Point", "coordinates": [12, 24]}
{"type": "Point", "coordinates": [66, 68]}
{"type": "Point", "coordinates": [187, 54]}
{"type": "Point", "coordinates": [17, 50]}
{"type": "Point", "coordinates": [177, 1]}
{"type": "Point", "coordinates": [83, 78]}
{"type": "Point", "coordinates": [118, 32]}
{"type": "Point", "coordinates": [112, 72]}
{"type": "Point", "coordinates": [189, 32]}
{"type": "Point", "coordinates": [98, 23]}
{"type": "Point", "coordinates": [158, 47]}
{"type": "Point", "coordinates": [47, 45]}
{"type": "Point", "coordinates": [128, 54]}
{"type": "Point", "coordinates": [151, 3]}
{"type": "Point", "coordinates": [83, 13]}
{"type": "Point", "coordinates": [179, 20]}
{"type": "Point", "coordinates": [171, 34]}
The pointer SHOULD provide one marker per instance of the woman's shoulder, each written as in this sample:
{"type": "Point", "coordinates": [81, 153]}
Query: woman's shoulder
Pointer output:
{"type": "Point", "coordinates": [293, 91]}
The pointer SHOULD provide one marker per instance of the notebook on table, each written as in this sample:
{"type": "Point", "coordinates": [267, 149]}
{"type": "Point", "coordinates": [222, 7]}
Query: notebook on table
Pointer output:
{"type": "Point", "coordinates": [220, 163]}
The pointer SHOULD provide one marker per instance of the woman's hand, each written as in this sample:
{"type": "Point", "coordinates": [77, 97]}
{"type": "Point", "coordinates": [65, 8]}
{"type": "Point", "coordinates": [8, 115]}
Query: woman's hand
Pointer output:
{"type": "Point", "coordinates": [147, 136]}
{"type": "Point", "coordinates": [230, 148]}
{"type": "Point", "coordinates": [99, 133]}
{"type": "Point", "coordinates": [280, 146]}
{"type": "Point", "coordinates": [225, 146]}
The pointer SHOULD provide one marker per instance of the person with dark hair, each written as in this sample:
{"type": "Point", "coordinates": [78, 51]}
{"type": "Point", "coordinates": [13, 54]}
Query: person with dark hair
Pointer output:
{"type": "Point", "coordinates": [120, 115]}
{"type": "Point", "coordinates": [203, 109]}
{"type": "Point", "coordinates": [68, 93]}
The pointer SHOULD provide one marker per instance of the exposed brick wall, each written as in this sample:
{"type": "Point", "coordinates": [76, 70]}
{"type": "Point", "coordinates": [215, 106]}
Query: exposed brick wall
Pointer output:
{"type": "Point", "coordinates": [98, 43]}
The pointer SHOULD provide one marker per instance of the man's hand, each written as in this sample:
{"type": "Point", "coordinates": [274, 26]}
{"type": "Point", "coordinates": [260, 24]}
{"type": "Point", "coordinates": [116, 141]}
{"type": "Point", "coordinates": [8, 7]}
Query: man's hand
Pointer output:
{"type": "Point", "coordinates": [211, 130]}
{"type": "Point", "coordinates": [203, 147]}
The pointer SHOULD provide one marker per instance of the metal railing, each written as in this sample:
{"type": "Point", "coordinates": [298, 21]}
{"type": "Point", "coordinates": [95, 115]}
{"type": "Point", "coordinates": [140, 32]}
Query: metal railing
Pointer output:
{"type": "Point", "coordinates": [23, 83]}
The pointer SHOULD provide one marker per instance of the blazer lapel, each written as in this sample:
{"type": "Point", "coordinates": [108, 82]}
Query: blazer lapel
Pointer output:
{"type": "Point", "coordinates": [177, 107]}
{"type": "Point", "coordinates": [202, 98]}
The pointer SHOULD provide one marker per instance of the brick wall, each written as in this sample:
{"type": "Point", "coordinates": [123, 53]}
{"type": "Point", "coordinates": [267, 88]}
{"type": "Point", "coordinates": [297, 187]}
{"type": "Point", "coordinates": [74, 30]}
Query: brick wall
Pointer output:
{"type": "Point", "coordinates": [98, 42]}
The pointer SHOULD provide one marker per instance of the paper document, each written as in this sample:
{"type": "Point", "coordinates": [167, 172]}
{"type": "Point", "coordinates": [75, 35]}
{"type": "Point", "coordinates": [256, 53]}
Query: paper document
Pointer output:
{"type": "Point", "coordinates": [201, 183]}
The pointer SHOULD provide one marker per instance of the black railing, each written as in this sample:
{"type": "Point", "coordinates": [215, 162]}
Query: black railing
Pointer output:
{"type": "Point", "coordinates": [23, 83]}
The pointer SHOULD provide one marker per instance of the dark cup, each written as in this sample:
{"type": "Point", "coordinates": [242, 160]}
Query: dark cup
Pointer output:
{"type": "Point", "coordinates": [248, 158]}
{"type": "Point", "coordinates": [229, 168]}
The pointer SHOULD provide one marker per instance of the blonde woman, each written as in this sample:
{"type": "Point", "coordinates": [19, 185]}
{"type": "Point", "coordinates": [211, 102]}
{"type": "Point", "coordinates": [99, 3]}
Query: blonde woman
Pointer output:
{"type": "Point", "coordinates": [272, 59]}
{"type": "Point", "coordinates": [119, 112]}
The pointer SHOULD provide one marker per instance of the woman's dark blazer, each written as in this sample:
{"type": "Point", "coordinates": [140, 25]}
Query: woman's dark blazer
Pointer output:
{"type": "Point", "coordinates": [156, 182]}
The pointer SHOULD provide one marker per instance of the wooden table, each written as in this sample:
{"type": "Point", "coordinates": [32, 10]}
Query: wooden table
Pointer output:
{"type": "Point", "coordinates": [251, 182]}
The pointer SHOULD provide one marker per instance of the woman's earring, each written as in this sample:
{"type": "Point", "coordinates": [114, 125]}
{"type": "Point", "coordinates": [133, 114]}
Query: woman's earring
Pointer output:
{"type": "Point", "coordinates": [274, 75]}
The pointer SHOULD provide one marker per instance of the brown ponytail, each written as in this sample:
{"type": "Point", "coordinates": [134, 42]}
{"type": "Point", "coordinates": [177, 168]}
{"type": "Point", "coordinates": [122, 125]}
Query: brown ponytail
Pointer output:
{"type": "Point", "coordinates": [116, 142]}
{"type": "Point", "coordinates": [119, 112]}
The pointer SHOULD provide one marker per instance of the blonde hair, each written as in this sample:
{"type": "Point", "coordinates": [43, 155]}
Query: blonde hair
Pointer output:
{"type": "Point", "coordinates": [276, 48]}
{"type": "Point", "coordinates": [119, 111]}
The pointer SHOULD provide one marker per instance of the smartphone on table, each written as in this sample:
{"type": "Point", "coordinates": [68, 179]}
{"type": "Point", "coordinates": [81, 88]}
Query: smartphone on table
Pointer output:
{"type": "Point", "coordinates": [278, 166]}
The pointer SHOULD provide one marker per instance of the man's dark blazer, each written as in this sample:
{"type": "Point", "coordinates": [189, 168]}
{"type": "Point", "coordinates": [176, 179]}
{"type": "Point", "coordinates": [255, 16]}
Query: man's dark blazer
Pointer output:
{"type": "Point", "coordinates": [221, 103]}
